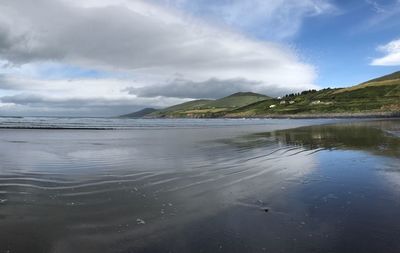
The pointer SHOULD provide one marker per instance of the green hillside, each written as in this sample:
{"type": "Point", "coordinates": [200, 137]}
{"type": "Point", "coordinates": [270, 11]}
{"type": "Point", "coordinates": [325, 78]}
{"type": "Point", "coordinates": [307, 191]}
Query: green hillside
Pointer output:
{"type": "Point", "coordinates": [381, 95]}
{"type": "Point", "coordinates": [210, 108]}
{"type": "Point", "coordinates": [139, 114]}
{"type": "Point", "coordinates": [393, 76]}
{"type": "Point", "coordinates": [237, 100]}
{"type": "Point", "coordinates": [191, 105]}
{"type": "Point", "coordinates": [176, 110]}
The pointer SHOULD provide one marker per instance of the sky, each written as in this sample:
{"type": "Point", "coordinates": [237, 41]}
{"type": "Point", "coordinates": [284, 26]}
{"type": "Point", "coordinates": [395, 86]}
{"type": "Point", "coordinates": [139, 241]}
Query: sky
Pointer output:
{"type": "Point", "coordinates": [110, 57]}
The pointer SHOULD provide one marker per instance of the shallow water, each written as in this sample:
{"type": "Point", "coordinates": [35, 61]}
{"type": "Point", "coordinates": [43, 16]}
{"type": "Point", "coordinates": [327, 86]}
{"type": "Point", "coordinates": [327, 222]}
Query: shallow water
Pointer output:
{"type": "Point", "coordinates": [202, 186]}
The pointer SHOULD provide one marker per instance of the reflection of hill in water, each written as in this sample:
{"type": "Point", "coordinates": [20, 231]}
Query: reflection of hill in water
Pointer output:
{"type": "Point", "coordinates": [377, 137]}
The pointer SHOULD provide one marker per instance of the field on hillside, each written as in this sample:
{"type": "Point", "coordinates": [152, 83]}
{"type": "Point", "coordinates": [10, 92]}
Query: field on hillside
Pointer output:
{"type": "Point", "coordinates": [211, 108]}
{"type": "Point", "coordinates": [383, 96]}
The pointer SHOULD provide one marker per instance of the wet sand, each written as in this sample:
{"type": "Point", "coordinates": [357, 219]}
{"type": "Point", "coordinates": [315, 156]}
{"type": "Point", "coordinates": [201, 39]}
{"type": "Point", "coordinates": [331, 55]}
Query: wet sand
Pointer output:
{"type": "Point", "coordinates": [322, 188]}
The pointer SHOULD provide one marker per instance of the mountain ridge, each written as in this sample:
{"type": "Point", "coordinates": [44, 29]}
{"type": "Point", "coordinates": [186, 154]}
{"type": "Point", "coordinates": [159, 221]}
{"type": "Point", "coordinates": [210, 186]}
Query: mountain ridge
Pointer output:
{"type": "Point", "coordinates": [139, 114]}
{"type": "Point", "coordinates": [210, 108]}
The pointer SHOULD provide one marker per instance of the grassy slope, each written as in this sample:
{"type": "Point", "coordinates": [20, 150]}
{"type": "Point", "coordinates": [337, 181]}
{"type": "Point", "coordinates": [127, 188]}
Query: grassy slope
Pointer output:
{"type": "Point", "coordinates": [211, 108]}
{"type": "Point", "coordinates": [375, 96]}
{"type": "Point", "coordinates": [139, 114]}
{"type": "Point", "coordinates": [378, 95]}
{"type": "Point", "coordinates": [393, 76]}
{"type": "Point", "coordinates": [191, 105]}
{"type": "Point", "coordinates": [238, 100]}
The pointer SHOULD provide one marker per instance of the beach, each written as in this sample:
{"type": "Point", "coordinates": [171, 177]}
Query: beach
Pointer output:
{"type": "Point", "coordinates": [197, 185]}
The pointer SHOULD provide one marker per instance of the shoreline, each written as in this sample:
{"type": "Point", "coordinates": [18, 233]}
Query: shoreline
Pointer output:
{"type": "Point", "coordinates": [360, 115]}
{"type": "Point", "coordinates": [123, 126]}
{"type": "Point", "coordinates": [325, 116]}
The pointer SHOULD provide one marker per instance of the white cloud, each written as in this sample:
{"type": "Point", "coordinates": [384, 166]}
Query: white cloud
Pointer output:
{"type": "Point", "coordinates": [392, 54]}
{"type": "Point", "coordinates": [151, 44]}
{"type": "Point", "coordinates": [95, 97]}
